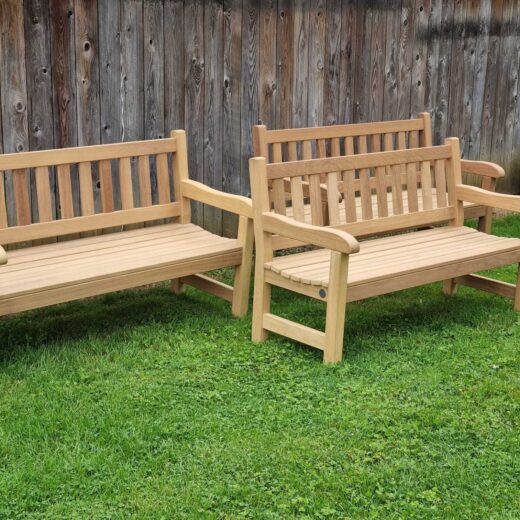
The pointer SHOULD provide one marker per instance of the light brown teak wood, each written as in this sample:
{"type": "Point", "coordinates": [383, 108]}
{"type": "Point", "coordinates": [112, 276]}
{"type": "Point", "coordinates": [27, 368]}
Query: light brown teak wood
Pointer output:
{"type": "Point", "coordinates": [342, 269]}
{"type": "Point", "coordinates": [364, 194]}
{"type": "Point", "coordinates": [168, 248]}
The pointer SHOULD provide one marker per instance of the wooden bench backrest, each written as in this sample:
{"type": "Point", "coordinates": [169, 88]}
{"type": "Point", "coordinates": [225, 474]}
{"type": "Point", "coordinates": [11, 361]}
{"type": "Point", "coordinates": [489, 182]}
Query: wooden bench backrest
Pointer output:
{"type": "Point", "coordinates": [328, 141]}
{"type": "Point", "coordinates": [392, 173]}
{"type": "Point", "coordinates": [74, 189]}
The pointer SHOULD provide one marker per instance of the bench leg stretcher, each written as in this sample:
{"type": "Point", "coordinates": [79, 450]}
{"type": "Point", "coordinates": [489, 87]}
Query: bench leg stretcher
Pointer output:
{"type": "Point", "coordinates": [237, 295]}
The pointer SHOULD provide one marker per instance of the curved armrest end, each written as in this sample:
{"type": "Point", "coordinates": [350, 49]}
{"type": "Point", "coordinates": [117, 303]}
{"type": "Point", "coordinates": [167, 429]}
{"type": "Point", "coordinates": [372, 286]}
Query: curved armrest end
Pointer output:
{"type": "Point", "coordinates": [334, 239]}
{"type": "Point", "coordinates": [483, 168]}
{"type": "Point", "coordinates": [237, 204]}
{"type": "Point", "coordinates": [3, 256]}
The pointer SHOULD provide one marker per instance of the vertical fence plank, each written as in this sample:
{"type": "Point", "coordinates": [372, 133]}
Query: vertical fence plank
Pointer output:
{"type": "Point", "coordinates": [492, 82]}
{"type": "Point", "coordinates": [363, 58]}
{"type": "Point", "coordinates": [249, 79]}
{"type": "Point", "coordinates": [404, 77]}
{"type": "Point", "coordinates": [194, 77]}
{"type": "Point", "coordinates": [316, 76]}
{"type": "Point", "coordinates": [301, 63]}
{"type": "Point", "coordinates": [231, 146]}
{"type": "Point", "coordinates": [505, 105]}
{"type": "Point", "coordinates": [479, 77]}
{"type": "Point", "coordinates": [110, 70]}
{"type": "Point", "coordinates": [377, 51]}
{"type": "Point", "coordinates": [87, 71]}
{"type": "Point", "coordinates": [14, 93]}
{"type": "Point", "coordinates": [332, 62]}
{"type": "Point", "coordinates": [213, 49]}
{"type": "Point", "coordinates": [267, 80]}
{"type": "Point", "coordinates": [132, 72]}
{"type": "Point", "coordinates": [393, 29]}
{"type": "Point", "coordinates": [63, 73]}
{"type": "Point", "coordinates": [444, 34]}
{"type": "Point", "coordinates": [153, 70]}
{"type": "Point", "coordinates": [173, 65]}
{"type": "Point", "coordinates": [422, 10]}
{"type": "Point", "coordinates": [39, 85]}
{"type": "Point", "coordinates": [285, 59]}
{"type": "Point", "coordinates": [347, 60]}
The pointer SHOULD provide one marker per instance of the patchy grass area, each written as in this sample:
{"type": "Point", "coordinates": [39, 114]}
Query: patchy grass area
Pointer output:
{"type": "Point", "coordinates": [146, 405]}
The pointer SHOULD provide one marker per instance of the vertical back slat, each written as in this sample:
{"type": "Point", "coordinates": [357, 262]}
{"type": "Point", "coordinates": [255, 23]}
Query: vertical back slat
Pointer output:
{"type": "Point", "coordinates": [364, 181]}
{"type": "Point", "coordinates": [414, 139]}
{"type": "Point", "coordinates": [278, 185]}
{"type": "Point", "coordinates": [411, 187]}
{"type": "Point", "coordinates": [382, 201]}
{"type": "Point", "coordinates": [296, 187]}
{"type": "Point", "coordinates": [348, 185]}
{"type": "Point", "coordinates": [107, 189]}
{"type": "Point", "coordinates": [86, 189]}
{"type": "Point", "coordinates": [440, 183]}
{"type": "Point", "coordinates": [163, 178]}
{"type": "Point", "coordinates": [388, 142]}
{"type": "Point", "coordinates": [43, 194]}
{"type": "Point", "coordinates": [3, 207]}
{"type": "Point", "coordinates": [401, 140]}
{"type": "Point", "coordinates": [314, 188]}
{"type": "Point", "coordinates": [426, 185]}
{"type": "Point", "coordinates": [65, 191]}
{"type": "Point", "coordinates": [145, 186]}
{"type": "Point", "coordinates": [125, 183]}
{"type": "Point", "coordinates": [333, 198]}
{"type": "Point", "coordinates": [397, 189]}
{"type": "Point", "coordinates": [376, 143]}
{"type": "Point", "coordinates": [21, 196]}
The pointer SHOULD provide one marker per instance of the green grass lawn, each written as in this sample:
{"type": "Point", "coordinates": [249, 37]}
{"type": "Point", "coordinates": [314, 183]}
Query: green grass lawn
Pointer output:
{"type": "Point", "coordinates": [146, 405]}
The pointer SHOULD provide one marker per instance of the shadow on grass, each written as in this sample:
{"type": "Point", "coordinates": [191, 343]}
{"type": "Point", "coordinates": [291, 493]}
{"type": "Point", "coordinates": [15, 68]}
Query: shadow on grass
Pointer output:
{"type": "Point", "coordinates": [104, 316]}
{"type": "Point", "coordinates": [371, 323]}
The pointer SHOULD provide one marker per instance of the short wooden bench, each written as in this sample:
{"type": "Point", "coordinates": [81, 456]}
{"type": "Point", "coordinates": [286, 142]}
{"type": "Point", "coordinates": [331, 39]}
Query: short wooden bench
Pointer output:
{"type": "Point", "coordinates": [81, 241]}
{"type": "Point", "coordinates": [320, 142]}
{"type": "Point", "coordinates": [343, 269]}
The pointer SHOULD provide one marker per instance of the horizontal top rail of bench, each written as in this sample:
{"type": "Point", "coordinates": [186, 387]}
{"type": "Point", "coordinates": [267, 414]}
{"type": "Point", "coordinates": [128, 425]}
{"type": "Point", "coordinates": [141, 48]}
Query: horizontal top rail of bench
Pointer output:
{"type": "Point", "coordinates": [368, 160]}
{"type": "Point", "coordinates": [350, 130]}
{"type": "Point", "coordinates": [74, 155]}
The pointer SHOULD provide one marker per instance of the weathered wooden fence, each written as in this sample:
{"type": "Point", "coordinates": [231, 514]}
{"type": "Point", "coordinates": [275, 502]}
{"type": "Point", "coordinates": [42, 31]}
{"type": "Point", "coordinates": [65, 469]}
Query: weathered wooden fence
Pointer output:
{"type": "Point", "coordinates": [90, 71]}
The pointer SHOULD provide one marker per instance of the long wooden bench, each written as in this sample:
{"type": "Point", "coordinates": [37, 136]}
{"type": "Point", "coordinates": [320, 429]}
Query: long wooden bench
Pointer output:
{"type": "Point", "coordinates": [81, 241]}
{"type": "Point", "coordinates": [342, 268]}
{"type": "Point", "coordinates": [320, 142]}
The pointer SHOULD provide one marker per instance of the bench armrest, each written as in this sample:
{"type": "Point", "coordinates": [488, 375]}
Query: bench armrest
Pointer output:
{"type": "Point", "coordinates": [328, 238]}
{"type": "Point", "coordinates": [3, 256]}
{"type": "Point", "coordinates": [482, 168]}
{"type": "Point", "coordinates": [488, 198]}
{"type": "Point", "coordinates": [225, 201]}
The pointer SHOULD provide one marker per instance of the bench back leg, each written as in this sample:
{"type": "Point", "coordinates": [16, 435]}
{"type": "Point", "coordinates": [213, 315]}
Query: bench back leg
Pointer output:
{"type": "Point", "coordinates": [517, 291]}
{"type": "Point", "coordinates": [449, 287]}
{"type": "Point", "coordinates": [177, 286]}
{"type": "Point", "coordinates": [242, 283]}
{"type": "Point", "coordinates": [336, 306]}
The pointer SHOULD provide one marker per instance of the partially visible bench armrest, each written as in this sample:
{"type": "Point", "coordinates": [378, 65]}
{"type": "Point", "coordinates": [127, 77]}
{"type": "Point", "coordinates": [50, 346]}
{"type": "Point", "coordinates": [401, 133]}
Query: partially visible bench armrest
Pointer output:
{"type": "Point", "coordinates": [483, 169]}
{"type": "Point", "coordinates": [488, 198]}
{"type": "Point", "coordinates": [334, 239]}
{"type": "Point", "coordinates": [226, 201]}
{"type": "Point", "coordinates": [3, 256]}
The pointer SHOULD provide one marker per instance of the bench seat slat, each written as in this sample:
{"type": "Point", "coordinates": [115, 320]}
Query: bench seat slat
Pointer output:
{"type": "Point", "coordinates": [425, 250]}
{"type": "Point", "coordinates": [126, 258]}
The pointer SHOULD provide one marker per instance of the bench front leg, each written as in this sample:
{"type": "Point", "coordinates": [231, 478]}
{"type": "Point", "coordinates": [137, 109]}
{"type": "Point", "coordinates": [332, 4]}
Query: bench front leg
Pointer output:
{"type": "Point", "coordinates": [242, 282]}
{"type": "Point", "coordinates": [336, 306]}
